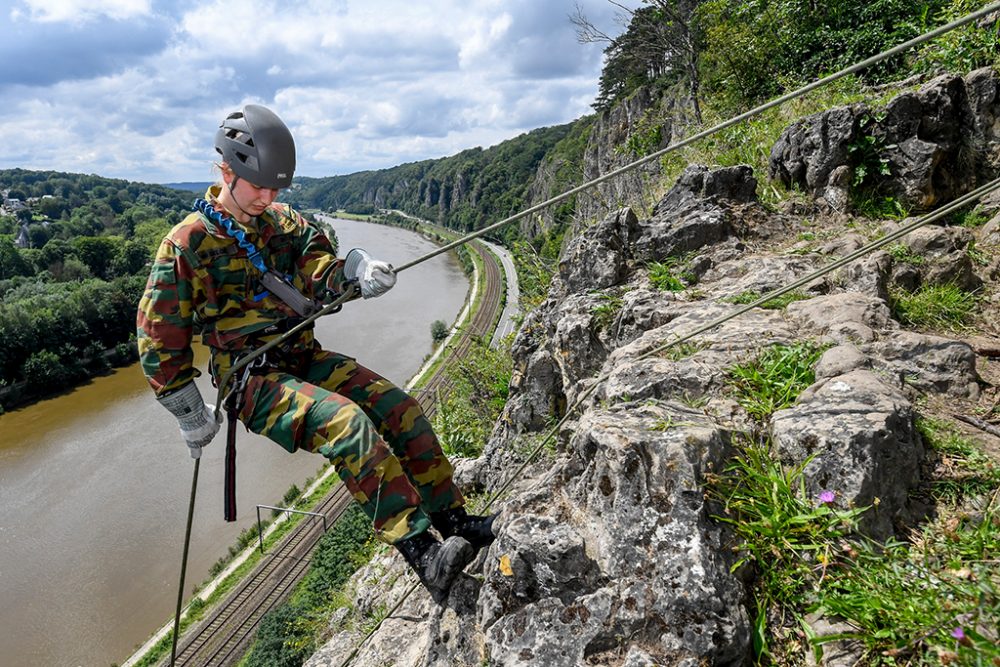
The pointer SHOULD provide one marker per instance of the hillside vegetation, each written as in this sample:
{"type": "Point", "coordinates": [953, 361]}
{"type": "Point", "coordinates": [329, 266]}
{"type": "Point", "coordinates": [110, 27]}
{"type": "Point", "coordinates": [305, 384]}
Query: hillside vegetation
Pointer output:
{"type": "Point", "coordinates": [68, 296]}
{"type": "Point", "coordinates": [464, 191]}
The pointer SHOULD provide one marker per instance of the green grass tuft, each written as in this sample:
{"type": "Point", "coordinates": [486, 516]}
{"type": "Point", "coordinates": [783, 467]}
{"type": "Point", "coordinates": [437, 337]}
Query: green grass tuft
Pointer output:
{"type": "Point", "coordinates": [777, 303]}
{"type": "Point", "coordinates": [774, 379]}
{"type": "Point", "coordinates": [933, 306]}
{"type": "Point", "coordinates": [662, 276]}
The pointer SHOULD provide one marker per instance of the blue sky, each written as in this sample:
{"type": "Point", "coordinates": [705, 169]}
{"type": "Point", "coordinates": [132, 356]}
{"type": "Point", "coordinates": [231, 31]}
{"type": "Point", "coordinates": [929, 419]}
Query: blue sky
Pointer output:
{"type": "Point", "coordinates": [136, 88]}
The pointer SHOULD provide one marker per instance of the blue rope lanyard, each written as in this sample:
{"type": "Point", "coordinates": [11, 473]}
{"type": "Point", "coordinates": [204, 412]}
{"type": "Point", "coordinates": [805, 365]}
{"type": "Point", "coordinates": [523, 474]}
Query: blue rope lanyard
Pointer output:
{"type": "Point", "coordinates": [237, 234]}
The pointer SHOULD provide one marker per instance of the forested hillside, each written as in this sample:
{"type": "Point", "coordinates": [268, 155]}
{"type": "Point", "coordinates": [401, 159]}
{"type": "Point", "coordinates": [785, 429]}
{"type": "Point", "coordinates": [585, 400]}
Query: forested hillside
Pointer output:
{"type": "Point", "coordinates": [465, 191]}
{"type": "Point", "coordinates": [74, 252]}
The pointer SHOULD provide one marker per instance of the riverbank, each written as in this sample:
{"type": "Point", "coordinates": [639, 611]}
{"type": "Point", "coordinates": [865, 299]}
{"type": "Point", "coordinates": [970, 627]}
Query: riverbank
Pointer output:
{"type": "Point", "coordinates": [123, 478]}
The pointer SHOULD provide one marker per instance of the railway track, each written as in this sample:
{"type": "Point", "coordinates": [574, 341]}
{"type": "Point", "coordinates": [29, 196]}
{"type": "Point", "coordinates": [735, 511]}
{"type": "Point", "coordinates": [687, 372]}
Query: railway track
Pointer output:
{"type": "Point", "coordinates": [481, 324]}
{"type": "Point", "coordinates": [221, 639]}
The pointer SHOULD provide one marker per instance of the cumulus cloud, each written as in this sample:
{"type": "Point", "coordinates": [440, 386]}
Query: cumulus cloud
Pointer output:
{"type": "Point", "coordinates": [134, 89]}
{"type": "Point", "coordinates": [78, 11]}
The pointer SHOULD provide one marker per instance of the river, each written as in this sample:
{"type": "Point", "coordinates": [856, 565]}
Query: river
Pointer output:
{"type": "Point", "coordinates": [94, 484]}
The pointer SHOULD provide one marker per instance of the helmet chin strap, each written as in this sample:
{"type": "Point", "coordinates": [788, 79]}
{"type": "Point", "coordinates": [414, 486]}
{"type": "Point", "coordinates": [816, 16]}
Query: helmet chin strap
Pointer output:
{"type": "Point", "coordinates": [232, 195]}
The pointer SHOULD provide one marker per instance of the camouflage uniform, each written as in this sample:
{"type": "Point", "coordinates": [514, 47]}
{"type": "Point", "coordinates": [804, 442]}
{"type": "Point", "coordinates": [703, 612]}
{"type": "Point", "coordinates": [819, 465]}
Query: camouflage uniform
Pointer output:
{"type": "Point", "coordinates": [307, 398]}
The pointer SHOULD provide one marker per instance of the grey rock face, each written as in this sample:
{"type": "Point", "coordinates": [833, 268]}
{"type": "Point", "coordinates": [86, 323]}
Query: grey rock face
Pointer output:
{"type": "Point", "coordinates": [859, 432]}
{"type": "Point", "coordinates": [928, 363]}
{"type": "Point", "coordinates": [563, 591]}
{"type": "Point", "coordinates": [845, 318]}
{"type": "Point", "coordinates": [607, 552]}
{"type": "Point", "coordinates": [598, 257]}
{"type": "Point", "coordinates": [696, 212]}
{"type": "Point", "coordinates": [810, 150]}
{"type": "Point", "coordinates": [937, 143]}
{"type": "Point", "coordinates": [603, 153]}
{"type": "Point", "coordinates": [943, 257]}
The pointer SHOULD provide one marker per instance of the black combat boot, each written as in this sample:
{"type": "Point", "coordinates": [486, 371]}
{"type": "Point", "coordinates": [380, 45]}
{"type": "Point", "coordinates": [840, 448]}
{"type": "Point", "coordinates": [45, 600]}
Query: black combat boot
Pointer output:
{"type": "Point", "coordinates": [478, 530]}
{"type": "Point", "coordinates": [436, 563]}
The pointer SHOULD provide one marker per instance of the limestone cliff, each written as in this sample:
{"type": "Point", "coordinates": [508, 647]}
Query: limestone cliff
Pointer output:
{"type": "Point", "coordinates": [609, 551]}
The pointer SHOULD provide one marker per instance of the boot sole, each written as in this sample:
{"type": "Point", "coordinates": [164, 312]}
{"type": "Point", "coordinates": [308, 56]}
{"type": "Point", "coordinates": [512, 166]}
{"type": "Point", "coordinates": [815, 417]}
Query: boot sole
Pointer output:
{"type": "Point", "coordinates": [455, 553]}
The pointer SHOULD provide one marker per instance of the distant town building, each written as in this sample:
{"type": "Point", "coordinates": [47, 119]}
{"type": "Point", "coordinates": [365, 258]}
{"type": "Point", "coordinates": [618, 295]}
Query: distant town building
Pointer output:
{"type": "Point", "coordinates": [23, 240]}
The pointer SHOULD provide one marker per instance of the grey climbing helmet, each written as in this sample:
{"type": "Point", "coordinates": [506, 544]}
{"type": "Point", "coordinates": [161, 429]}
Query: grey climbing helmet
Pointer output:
{"type": "Point", "coordinates": [257, 146]}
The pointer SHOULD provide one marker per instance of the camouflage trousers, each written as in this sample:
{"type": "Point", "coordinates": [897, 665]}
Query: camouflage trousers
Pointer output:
{"type": "Point", "coordinates": [375, 434]}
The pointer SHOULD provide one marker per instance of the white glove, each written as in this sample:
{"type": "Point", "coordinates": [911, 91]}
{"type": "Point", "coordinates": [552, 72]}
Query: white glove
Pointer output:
{"type": "Point", "coordinates": [196, 419]}
{"type": "Point", "coordinates": [374, 276]}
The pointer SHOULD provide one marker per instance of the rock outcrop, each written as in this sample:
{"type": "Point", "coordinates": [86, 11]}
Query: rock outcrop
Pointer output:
{"type": "Point", "coordinates": [926, 147]}
{"type": "Point", "coordinates": [609, 549]}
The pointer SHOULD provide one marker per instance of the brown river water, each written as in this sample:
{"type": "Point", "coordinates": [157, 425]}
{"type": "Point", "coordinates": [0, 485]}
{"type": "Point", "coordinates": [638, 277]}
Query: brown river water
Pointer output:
{"type": "Point", "coordinates": [94, 484]}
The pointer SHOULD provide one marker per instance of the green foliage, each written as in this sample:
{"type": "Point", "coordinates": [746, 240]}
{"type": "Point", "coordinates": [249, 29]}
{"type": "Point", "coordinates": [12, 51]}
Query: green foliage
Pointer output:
{"type": "Point", "coordinates": [774, 378]}
{"type": "Point", "coordinates": [970, 216]}
{"type": "Point", "coordinates": [439, 331]}
{"type": "Point", "coordinates": [934, 600]}
{"type": "Point", "coordinates": [755, 49]}
{"type": "Point", "coordinates": [45, 369]}
{"type": "Point", "coordinates": [150, 233]}
{"type": "Point", "coordinates": [465, 191]}
{"type": "Point", "coordinates": [52, 305]}
{"type": "Point", "coordinates": [683, 350]}
{"type": "Point", "coordinates": [786, 536]}
{"type": "Point", "coordinates": [966, 471]}
{"type": "Point", "coordinates": [291, 495]}
{"type": "Point", "coordinates": [64, 318]}
{"type": "Point", "coordinates": [11, 262]}
{"type": "Point", "coordinates": [869, 173]}
{"type": "Point", "coordinates": [452, 420]}
{"type": "Point", "coordinates": [869, 166]}
{"type": "Point", "coordinates": [902, 253]}
{"type": "Point", "coordinates": [534, 271]}
{"type": "Point", "coordinates": [605, 312]}
{"type": "Point", "coordinates": [645, 138]}
{"type": "Point", "coordinates": [933, 306]}
{"type": "Point", "coordinates": [287, 634]}
{"type": "Point", "coordinates": [965, 49]}
{"type": "Point", "coordinates": [283, 640]}
{"type": "Point", "coordinates": [479, 387]}
{"type": "Point", "coordinates": [939, 597]}
{"type": "Point", "coordinates": [347, 546]}
{"type": "Point", "coordinates": [98, 252]}
{"type": "Point", "coordinates": [777, 303]}
{"type": "Point", "coordinates": [661, 275]}
{"type": "Point", "coordinates": [632, 60]}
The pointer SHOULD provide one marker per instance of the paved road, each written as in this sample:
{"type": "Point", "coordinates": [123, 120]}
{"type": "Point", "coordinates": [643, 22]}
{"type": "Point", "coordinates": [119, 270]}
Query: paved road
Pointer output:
{"type": "Point", "coordinates": [511, 309]}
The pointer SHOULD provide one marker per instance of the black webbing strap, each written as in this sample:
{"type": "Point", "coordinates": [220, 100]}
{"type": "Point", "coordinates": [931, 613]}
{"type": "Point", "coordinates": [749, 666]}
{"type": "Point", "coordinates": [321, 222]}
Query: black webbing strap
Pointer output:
{"type": "Point", "coordinates": [229, 500]}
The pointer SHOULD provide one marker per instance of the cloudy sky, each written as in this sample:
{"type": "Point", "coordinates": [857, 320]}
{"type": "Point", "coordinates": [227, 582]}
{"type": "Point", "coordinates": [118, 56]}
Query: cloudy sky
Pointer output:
{"type": "Point", "coordinates": [136, 88]}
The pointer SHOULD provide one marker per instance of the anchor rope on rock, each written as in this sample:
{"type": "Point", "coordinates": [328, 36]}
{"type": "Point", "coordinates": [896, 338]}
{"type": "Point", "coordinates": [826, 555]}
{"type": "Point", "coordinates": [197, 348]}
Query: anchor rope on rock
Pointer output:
{"type": "Point", "coordinates": [839, 263]}
{"type": "Point", "coordinates": [958, 203]}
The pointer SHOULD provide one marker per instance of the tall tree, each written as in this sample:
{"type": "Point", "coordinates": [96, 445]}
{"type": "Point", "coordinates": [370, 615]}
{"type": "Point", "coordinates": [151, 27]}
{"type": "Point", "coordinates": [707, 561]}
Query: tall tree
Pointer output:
{"type": "Point", "coordinates": [662, 40]}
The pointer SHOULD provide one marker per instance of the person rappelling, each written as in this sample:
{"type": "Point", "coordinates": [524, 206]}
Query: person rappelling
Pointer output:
{"type": "Point", "coordinates": [244, 271]}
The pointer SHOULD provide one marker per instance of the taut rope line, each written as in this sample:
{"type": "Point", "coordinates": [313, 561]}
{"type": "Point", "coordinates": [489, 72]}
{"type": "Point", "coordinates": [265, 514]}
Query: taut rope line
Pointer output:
{"type": "Point", "coordinates": [580, 188]}
{"type": "Point", "coordinates": [955, 205]}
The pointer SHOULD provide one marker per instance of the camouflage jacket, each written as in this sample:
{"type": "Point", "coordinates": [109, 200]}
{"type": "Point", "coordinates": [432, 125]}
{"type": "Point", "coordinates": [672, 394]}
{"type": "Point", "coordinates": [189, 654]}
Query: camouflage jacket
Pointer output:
{"type": "Point", "coordinates": [202, 280]}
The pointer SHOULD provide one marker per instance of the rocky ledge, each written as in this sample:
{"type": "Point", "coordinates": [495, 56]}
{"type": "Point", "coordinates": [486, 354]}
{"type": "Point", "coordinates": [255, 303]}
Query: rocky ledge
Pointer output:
{"type": "Point", "coordinates": [608, 551]}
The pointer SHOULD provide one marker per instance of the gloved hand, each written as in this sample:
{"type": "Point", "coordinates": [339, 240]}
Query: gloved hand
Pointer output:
{"type": "Point", "coordinates": [196, 418]}
{"type": "Point", "coordinates": [375, 277]}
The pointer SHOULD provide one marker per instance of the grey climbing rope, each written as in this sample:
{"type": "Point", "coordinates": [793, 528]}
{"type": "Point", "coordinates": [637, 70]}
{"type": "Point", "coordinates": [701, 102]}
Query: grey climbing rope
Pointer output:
{"type": "Point", "coordinates": [955, 205]}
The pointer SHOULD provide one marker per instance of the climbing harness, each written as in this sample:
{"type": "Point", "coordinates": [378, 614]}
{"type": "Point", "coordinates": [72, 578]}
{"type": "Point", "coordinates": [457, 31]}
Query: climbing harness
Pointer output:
{"type": "Point", "coordinates": [550, 436]}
